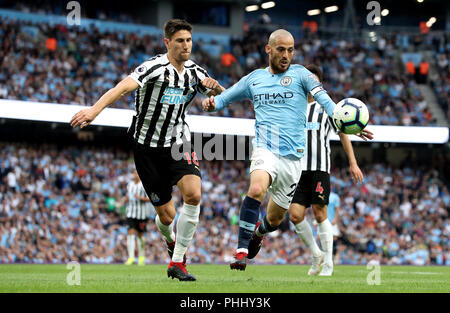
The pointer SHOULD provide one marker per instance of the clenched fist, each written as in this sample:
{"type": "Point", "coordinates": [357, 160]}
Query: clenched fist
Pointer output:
{"type": "Point", "coordinates": [210, 83]}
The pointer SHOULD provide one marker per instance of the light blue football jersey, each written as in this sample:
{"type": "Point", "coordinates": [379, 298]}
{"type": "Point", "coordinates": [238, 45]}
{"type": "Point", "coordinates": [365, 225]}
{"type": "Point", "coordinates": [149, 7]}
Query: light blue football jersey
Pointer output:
{"type": "Point", "coordinates": [333, 202]}
{"type": "Point", "coordinates": [280, 102]}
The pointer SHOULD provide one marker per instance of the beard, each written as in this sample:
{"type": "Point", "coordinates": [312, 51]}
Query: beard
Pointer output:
{"type": "Point", "coordinates": [276, 66]}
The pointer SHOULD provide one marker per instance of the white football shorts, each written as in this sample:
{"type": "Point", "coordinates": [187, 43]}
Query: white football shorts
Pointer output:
{"type": "Point", "coordinates": [285, 173]}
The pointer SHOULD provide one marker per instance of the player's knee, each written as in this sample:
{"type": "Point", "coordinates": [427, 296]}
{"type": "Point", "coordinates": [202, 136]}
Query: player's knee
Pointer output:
{"type": "Point", "coordinates": [319, 213]}
{"type": "Point", "coordinates": [192, 197]}
{"type": "Point", "coordinates": [166, 219]}
{"type": "Point", "coordinates": [296, 218]}
{"type": "Point", "coordinates": [256, 191]}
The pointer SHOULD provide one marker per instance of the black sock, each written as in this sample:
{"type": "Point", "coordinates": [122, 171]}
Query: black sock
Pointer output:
{"type": "Point", "coordinates": [248, 217]}
{"type": "Point", "coordinates": [265, 227]}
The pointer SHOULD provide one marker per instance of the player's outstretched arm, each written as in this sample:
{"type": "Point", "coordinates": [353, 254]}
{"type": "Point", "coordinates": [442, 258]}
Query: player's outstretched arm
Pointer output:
{"type": "Point", "coordinates": [355, 171]}
{"type": "Point", "coordinates": [236, 92]}
{"type": "Point", "coordinates": [85, 117]}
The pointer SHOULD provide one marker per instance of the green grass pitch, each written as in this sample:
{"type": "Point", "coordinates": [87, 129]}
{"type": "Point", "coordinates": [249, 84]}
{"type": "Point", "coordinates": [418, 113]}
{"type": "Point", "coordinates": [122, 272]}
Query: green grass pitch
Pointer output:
{"type": "Point", "coordinates": [220, 279]}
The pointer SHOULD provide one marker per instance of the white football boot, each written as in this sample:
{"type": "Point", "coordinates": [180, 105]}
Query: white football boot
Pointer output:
{"type": "Point", "coordinates": [316, 262]}
{"type": "Point", "coordinates": [327, 270]}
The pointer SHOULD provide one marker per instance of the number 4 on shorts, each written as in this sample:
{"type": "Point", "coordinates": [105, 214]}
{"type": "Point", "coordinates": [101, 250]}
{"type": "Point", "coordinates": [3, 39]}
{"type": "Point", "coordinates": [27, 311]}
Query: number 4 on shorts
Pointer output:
{"type": "Point", "coordinates": [319, 188]}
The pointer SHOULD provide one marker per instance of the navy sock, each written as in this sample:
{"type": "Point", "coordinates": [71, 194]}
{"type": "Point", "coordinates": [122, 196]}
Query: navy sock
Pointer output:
{"type": "Point", "coordinates": [248, 216]}
{"type": "Point", "coordinates": [265, 227]}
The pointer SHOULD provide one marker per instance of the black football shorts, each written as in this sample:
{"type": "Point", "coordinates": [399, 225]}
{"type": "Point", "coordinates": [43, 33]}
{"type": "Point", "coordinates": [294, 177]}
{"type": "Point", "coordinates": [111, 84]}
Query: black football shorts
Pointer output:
{"type": "Point", "coordinates": [137, 224]}
{"type": "Point", "coordinates": [159, 171]}
{"type": "Point", "coordinates": [313, 188]}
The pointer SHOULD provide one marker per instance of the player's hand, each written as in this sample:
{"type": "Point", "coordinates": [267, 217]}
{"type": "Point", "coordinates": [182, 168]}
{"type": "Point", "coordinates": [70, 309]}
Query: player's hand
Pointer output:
{"type": "Point", "coordinates": [83, 118]}
{"type": "Point", "coordinates": [209, 104]}
{"type": "Point", "coordinates": [365, 134]}
{"type": "Point", "coordinates": [210, 83]}
{"type": "Point", "coordinates": [356, 174]}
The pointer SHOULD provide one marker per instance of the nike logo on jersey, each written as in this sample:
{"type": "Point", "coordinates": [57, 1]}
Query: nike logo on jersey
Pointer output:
{"type": "Point", "coordinates": [321, 197]}
{"type": "Point", "coordinates": [254, 84]}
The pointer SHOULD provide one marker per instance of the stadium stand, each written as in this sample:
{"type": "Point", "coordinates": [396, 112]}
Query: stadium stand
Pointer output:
{"type": "Point", "coordinates": [83, 64]}
{"type": "Point", "coordinates": [441, 81]}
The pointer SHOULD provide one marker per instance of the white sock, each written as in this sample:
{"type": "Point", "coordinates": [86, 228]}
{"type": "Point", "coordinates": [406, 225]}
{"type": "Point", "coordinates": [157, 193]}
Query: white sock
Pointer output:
{"type": "Point", "coordinates": [326, 240]}
{"type": "Point", "coordinates": [166, 230]}
{"type": "Point", "coordinates": [304, 231]}
{"type": "Point", "coordinates": [130, 245]}
{"type": "Point", "coordinates": [141, 246]}
{"type": "Point", "coordinates": [186, 226]}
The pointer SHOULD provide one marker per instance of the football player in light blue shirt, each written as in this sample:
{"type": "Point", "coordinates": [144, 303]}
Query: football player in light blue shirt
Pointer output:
{"type": "Point", "coordinates": [280, 101]}
{"type": "Point", "coordinates": [333, 203]}
{"type": "Point", "coordinates": [279, 95]}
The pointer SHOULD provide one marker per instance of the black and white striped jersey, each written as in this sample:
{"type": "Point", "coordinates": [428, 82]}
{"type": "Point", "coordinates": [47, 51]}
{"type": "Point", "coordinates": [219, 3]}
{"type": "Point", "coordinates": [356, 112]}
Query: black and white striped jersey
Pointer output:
{"type": "Point", "coordinates": [162, 100]}
{"type": "Point", "coordinates": [137, 208]}
{"type": "Point", "coordinates": [318, 128]}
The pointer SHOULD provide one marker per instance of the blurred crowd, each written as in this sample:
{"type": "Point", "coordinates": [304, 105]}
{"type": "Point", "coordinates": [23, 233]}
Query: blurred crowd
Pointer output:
{"type": "Point", "coordinates": [441, 80]}
{"type": "Point", "coordinates": [61, 204]}
{"type": "Point", "coordinates": [39, 62]}
{"type": "Point", "coordinates": [45, 7]}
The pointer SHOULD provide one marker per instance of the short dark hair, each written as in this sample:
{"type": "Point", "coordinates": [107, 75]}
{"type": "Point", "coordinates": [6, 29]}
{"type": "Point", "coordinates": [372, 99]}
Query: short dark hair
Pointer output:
{"type": "Point", "coordinates": [315, 70]}
{"type": "Point", "coordinates": [174, 25]}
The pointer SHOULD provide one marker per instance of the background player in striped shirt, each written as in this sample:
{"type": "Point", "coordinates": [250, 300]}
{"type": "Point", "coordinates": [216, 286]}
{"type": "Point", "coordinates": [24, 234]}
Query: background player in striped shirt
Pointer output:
{"type": "Point", "coordinates": [314, 185]}
{"type": "Point", "coordinates": [279, 96]}
{"type": "Point", "coordinates": [165, 87]}
{"type": "Point", "coordinates": [138, 210]}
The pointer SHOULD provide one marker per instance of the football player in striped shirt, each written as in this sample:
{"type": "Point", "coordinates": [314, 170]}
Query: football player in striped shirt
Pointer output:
{"type": "Point", "coordinates": [313, 188]}
{"type": "Point", "coordinates": [138, 210]}
{"type": "Point", "coordinates": [165, 85]}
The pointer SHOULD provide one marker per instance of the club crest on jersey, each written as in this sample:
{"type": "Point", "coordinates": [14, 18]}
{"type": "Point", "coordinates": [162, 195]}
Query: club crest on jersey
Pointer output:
{"type": "Point", "coordinates": [259, 162]}
{"type": "Point", "coordinates": [154, 197]}
{"type": "Point", "coordinates": [141, 69]}
{"type": "Point", "coordinates": [286, 81]}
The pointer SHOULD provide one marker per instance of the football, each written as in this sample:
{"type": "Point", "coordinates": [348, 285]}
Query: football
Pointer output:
{"type": "Point", "coordinates": [351, 116]}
